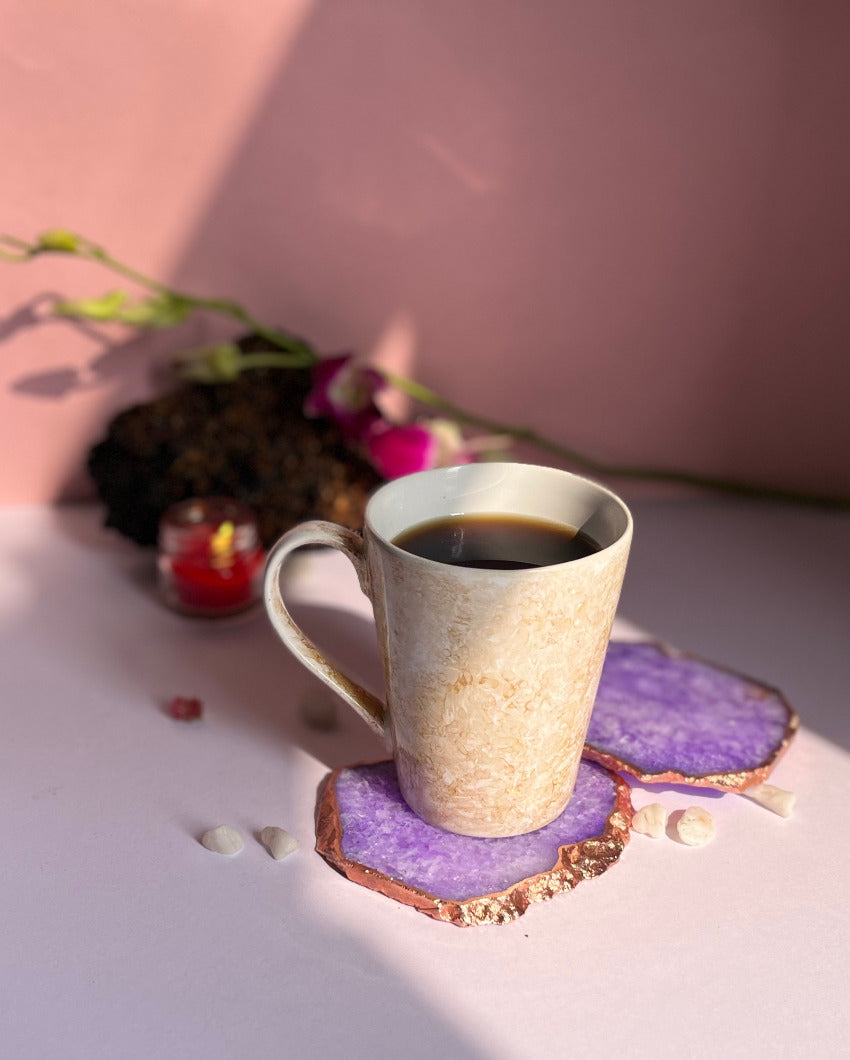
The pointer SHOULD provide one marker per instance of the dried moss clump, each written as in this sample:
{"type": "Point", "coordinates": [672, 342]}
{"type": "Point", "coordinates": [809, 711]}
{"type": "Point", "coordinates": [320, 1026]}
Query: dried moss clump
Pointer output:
{"type": "Point", "coordinates": [246, 439]}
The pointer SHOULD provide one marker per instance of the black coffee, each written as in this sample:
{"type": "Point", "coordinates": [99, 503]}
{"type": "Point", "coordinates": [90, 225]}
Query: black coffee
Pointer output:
{"type": "Point", "coordinates": [496, 542]}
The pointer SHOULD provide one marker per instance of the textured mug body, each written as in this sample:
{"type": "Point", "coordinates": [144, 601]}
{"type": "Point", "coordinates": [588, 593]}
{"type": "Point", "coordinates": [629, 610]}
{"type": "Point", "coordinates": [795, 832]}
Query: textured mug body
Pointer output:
{"type": "Point", "coordinates": [490, 674]}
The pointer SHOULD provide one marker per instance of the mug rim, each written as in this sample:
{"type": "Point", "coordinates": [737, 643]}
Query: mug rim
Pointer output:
{"type": "Point", "coordinates": [454, 471]}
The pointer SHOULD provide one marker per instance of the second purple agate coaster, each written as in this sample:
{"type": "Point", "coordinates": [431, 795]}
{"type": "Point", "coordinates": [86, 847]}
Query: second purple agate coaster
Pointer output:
{"type": "Point", "coordinates": [367, 831]}
{"type": "Point", "coordinates": [663, 716]}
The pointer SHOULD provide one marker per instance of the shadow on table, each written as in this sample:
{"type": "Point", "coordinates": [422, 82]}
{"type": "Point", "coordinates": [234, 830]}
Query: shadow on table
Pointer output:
{"type": "Point", "coordinates": [260, 686]}
{"type": "Point", "coordinates": [340, 989]}
{"type": "Point", "coordinates": [758, 587]}
{"type": "Point", "coordinates": [258, 682]}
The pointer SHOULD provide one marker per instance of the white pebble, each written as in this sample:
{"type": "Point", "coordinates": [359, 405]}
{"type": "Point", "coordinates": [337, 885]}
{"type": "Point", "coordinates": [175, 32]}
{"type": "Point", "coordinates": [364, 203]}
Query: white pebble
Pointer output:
{"type": "Point", "coordinates": [223, 840]}
{"type": "Point", "coordinates": [695, 827]}
{"type": "Point", "coordinates": [651, 820]}
{"type": "Point", "coordinates": [777, 799]}
{"type": "Point", "coordinates": [278, 842]}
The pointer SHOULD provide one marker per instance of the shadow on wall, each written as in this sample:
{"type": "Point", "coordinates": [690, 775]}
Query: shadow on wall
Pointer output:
{"type": "Point", "coordinates": [114, 366]}
{"type": "Point", "coordinates": [627, 225]}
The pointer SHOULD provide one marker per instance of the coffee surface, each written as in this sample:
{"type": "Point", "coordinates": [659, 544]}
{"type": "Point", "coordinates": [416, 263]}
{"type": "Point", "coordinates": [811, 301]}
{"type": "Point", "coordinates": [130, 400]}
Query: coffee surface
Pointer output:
{"type": "Point", "coordinates": [496, 542]}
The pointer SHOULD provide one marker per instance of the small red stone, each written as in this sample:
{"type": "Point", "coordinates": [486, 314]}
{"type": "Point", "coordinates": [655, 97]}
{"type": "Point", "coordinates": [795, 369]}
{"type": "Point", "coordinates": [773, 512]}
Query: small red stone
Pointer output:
{"type": "Point", "coordinates": [185, 708]}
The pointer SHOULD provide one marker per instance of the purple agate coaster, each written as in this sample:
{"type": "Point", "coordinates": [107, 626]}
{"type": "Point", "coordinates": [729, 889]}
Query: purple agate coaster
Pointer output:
{"type": "Point", "coordinates": [367, 831]}
{"type": "Point", "coordinates": [663, 716]}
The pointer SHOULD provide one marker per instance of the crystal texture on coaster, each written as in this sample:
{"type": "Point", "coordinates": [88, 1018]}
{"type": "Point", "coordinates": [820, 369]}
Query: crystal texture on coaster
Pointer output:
{"type": "Point", "coordinates": [367, 831]}
{"type": "Point", "coordinates": [663, 716]}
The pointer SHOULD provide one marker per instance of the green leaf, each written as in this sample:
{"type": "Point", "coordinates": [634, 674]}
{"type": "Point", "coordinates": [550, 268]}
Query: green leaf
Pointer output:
{"type": "Point", "coordinates": [107, 307]}
{"type": "Point", "coordinates": [59, 239]}
{"type": "Point", "coordinates": [212, 364]}
{"type": "Point", "coordinates": [164, 310]}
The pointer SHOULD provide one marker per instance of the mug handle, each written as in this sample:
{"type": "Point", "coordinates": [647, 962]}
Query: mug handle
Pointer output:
{"type": "Point", "coordinates": [319, 532]}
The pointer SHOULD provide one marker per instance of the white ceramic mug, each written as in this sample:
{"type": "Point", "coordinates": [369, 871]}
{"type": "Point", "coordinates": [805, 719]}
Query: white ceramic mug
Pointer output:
{"type": "Point", "coordinates": [490, 674]}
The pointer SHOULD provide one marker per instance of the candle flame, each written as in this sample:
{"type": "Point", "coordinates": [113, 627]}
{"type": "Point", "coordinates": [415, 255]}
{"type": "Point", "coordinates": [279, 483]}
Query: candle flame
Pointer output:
{"type": "Point", "coordinates": [221, 545]}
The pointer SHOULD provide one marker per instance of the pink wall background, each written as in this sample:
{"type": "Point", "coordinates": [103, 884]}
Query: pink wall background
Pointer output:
{"type": "Point", "coordinates": [626, 224]}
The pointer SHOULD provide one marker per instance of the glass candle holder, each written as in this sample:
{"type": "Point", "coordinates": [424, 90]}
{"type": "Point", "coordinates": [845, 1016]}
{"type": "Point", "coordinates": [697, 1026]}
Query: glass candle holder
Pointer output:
{"type": "Point", "coordinates": [210, 557]}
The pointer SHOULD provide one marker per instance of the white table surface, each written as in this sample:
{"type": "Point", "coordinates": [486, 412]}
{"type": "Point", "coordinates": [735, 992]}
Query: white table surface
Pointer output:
{"type": "Point", "coordinates": [123, 938]}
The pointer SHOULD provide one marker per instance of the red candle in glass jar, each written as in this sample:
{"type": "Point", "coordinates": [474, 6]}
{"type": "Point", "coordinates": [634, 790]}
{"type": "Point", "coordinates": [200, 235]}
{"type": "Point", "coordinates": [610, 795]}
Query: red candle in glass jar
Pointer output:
{"type": "Point", "coordinates": [210, 556]}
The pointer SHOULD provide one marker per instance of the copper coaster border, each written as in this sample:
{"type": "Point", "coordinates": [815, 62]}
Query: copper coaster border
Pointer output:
{"type": "Point", "coordinates": [737, 781]}
{"type": "Point", "coordinates": [575, 862]}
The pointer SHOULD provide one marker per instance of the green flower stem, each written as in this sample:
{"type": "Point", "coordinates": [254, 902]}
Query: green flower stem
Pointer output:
{"type": "Point", "coordinates": [270, 360]}
{"type": "Point", "coordinates": [296, 353]}
{"type": "Point", "coordinates": [429, 397]}
{"type": "Point", "coordinates": [301, 354]}
{"type": "Point", "coordinates": [92, 252]}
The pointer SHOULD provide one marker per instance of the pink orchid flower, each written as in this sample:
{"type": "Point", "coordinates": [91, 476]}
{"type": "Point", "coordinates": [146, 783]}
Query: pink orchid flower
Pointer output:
{"type": "Point", "coordinates": [396, 450]}
{"type": "Point", "coordinates": [345, 391]}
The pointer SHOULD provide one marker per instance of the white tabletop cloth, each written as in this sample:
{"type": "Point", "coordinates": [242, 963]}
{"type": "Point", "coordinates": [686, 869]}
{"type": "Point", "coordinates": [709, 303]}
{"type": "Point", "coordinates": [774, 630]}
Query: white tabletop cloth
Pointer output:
{"type": "Point", "coordinates": [124, 938]}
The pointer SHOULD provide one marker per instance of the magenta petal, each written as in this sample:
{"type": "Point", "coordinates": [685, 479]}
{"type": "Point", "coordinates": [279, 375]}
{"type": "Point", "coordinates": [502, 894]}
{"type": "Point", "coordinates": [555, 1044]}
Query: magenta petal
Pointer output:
{"type": "Point", "coordinates": [354, 425]}
{"type": "Point", "coordinates": [344, 391]}
{"type": "Point", "coordinates": [397, 451]}
{"type": "Point", "coordinates": [317, 402]}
